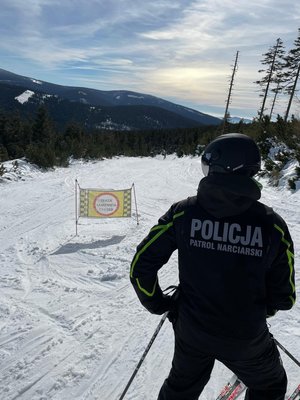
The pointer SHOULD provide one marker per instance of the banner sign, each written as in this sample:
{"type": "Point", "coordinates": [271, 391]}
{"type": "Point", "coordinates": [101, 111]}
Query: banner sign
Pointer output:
{"type": "Point", "coordinates": [104, 203]}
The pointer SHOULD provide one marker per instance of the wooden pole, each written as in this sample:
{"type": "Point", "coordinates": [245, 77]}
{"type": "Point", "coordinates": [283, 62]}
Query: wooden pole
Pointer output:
{"type": "Point", "coordinates": [76, 206]}
{"type": "Point", "coordinates": [136, 210]}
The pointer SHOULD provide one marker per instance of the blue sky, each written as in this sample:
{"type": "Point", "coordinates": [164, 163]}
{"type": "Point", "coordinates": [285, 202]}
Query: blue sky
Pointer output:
{"type": "Point", "coordinates": [182, 51]}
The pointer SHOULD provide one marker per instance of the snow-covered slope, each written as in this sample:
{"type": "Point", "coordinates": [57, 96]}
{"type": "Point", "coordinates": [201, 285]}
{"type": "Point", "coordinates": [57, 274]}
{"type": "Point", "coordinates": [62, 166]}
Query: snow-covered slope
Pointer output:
{"type": "Point", "coordinates": [71, 326]}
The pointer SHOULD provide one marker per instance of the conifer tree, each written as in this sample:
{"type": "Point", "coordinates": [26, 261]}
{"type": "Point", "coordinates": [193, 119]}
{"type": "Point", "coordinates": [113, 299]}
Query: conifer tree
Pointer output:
{"type": "Point", "coordinates": [42, 129]}
{"type": "Point", "coordinates": [274, 61]}
{"type": "Point", "coordinates": [41, 150]}
{"type": "Point", "coordinates": [292, 72]}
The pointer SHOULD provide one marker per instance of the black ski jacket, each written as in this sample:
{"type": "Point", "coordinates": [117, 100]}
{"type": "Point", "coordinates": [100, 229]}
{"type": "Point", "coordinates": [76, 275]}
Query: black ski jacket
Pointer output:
{"type": "Point", "coordinates": [235, 258]}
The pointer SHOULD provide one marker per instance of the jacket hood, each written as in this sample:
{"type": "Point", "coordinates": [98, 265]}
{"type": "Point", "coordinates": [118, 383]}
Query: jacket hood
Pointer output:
{"type": "Point", "coordinates": [224, 195]}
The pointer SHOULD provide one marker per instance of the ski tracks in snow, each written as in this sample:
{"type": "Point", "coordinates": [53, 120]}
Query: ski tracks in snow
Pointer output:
{"type": "Point", "coordinates": [71, 327]}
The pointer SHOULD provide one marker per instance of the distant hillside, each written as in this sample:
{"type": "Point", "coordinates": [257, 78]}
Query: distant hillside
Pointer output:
{"type": "Point", "coordinates": [122, 110]}
{"type": "Point", "coordinates": [236, 120]}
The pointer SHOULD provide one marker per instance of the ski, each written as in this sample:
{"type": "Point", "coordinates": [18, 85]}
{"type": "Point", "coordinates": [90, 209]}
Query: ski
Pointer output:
{"type": "Point", "coordinates": [232, 389]}
{"type": "Point", "coordinates": [235, 387]}
{"type": "Point", "coordinates": [295, 394]}
{"type": "Point", "coordinates": [237, 391]}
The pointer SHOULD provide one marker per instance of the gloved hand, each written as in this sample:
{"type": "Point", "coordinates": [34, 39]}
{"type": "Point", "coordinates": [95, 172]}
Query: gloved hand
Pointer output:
{"type": "Point", "coordinates": [173, 310]}
{"type": "Point", "coordinates": [172, 316]}
{"type": "Point", "coordinates": [271, 312]}
{"type": "Point", "coordinates": [162, 305]}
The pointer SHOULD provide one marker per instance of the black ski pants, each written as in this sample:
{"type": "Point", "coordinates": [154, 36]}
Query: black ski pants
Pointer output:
{"type": "Point", "coordinates": [264, 375]}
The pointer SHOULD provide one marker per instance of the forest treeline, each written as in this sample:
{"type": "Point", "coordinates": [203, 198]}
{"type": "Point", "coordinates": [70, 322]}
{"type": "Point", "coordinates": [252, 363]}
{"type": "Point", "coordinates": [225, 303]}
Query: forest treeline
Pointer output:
{"type": "Point", "coordinates": [42, 144]}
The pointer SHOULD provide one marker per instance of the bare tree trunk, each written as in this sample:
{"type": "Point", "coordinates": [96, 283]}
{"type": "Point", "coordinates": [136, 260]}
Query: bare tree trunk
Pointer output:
{"type": "Point", "coordinates": [274, 101]}
{"type": "Point", "coordinates": [292, 94]}
{"type": "Point", "coordinates": [269, 81]}
{"type": "Point", "coordinates": [229, 94]}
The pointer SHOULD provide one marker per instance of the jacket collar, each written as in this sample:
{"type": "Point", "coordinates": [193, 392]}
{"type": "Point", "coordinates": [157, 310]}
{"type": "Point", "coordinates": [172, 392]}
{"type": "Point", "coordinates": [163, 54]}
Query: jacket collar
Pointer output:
{"type": "Point", "coordinates": [224, 195]}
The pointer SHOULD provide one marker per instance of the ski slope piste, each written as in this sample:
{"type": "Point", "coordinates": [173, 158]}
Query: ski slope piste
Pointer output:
{"type": "Point", "coordinates": [71, 327]}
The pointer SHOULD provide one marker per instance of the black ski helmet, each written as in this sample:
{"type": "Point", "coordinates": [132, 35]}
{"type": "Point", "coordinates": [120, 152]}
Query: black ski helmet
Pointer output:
{"type": "Point", "coordinates": [231, 153]}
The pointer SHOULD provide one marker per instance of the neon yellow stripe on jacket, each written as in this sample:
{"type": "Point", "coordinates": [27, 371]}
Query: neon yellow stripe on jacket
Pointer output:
{"type": "Point", "coordinates": [290, 257]}
{"type": "Point", "coordinates": [161, 229]}
{"type": "Point", "coordinates": [149, 294]}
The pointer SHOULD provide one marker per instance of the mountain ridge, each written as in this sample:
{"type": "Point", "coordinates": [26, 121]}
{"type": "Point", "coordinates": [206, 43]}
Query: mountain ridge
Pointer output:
{"type": "Point", "coordinates": [167, 114]}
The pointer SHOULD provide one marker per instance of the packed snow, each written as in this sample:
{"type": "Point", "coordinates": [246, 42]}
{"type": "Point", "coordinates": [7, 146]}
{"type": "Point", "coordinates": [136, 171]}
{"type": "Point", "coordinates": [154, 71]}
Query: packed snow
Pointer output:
{"type": "Point", "coordinates": [25, 96]}
{"type": "Point", "coordinates": [71, 327]}
{"type": "Point", "coordinates": [37, 82]}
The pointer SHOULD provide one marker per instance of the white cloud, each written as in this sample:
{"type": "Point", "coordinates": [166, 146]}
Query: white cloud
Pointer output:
{"type": "Point", "coordinates": [181, 48]}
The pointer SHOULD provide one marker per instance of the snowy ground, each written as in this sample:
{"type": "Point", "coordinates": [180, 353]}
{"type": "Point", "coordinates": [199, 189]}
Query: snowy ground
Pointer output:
{"type": "Point", "coordinates": [70, 324]}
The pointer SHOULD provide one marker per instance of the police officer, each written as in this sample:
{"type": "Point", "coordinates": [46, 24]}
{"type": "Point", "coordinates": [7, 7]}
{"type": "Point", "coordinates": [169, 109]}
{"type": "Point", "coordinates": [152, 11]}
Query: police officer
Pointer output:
{"type": "Point", "coordinates": [236, 268]}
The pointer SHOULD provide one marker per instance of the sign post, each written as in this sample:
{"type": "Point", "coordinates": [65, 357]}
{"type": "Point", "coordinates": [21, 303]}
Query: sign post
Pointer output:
{"type": "Point", "coordinates": [102, 203]}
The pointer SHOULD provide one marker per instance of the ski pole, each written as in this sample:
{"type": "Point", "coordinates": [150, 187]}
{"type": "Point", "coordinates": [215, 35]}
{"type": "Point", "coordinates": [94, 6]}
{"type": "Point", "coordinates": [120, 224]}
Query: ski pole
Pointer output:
{"type": "Point", "coordinates": [164, 317]}
{"type": "Point", "coordinates": [287, 352]}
